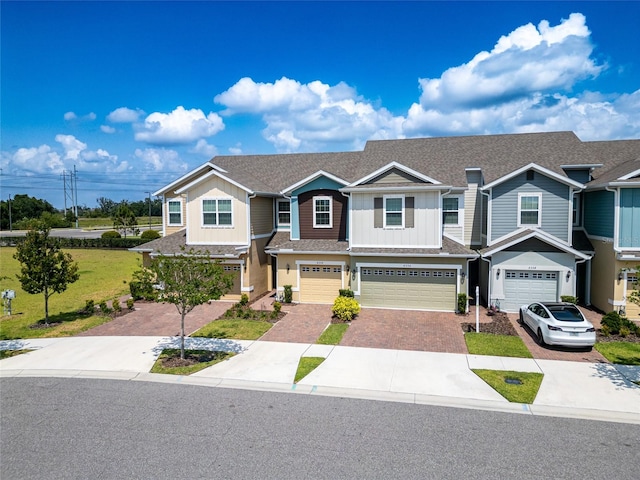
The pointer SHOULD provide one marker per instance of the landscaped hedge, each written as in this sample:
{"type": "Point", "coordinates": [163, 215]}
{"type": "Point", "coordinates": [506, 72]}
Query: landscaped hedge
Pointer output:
{"type": "Point", "coordinates": [121, 243]}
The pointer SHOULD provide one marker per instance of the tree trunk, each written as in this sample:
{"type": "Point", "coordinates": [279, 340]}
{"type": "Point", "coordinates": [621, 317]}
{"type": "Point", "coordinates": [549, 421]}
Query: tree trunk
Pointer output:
{"type": "Point", "coordinates": [182, 335]}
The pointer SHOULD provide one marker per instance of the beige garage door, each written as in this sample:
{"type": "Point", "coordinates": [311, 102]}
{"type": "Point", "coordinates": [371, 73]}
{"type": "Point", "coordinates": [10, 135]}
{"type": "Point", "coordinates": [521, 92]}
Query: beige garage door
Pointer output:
{"type": "Point", "coordinates": [237, 284]}
{"type": "Point", "coordinates": [320, 284]}
{"type": "Point", "coordinates": [408, 288]}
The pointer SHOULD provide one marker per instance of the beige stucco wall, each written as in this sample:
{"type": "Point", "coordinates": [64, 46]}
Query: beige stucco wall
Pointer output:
{"type": "Point", "coordinates": [292, 277]}
{"type": "Point", "coordinates": [215, 187]}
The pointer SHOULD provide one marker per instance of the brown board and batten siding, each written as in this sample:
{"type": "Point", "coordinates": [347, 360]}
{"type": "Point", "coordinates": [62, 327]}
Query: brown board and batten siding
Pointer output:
{"type": "Point", "coordinates": [261, 215]}
{"type": "Point", "coordinates": [338, 230]}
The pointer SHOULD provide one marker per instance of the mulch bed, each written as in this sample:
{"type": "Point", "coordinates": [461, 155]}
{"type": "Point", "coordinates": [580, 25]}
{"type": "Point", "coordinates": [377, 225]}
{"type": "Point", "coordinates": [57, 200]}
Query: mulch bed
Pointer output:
{"type": "Point", "coordinates": [499, 325]}
{"type": "Point", "coordinates": [616, 338]}
{"type": "Point", "coordinates": [191, 358]}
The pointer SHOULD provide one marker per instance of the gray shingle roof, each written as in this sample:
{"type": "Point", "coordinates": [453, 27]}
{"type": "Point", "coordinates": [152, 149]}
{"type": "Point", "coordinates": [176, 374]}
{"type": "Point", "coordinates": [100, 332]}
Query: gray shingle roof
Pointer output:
{"type": "Point", "coordinates": [174, 243]}
{"type": "Point", "coordinates": [280, 242]}
{"type": "Point", "coordinates": [449, 248]}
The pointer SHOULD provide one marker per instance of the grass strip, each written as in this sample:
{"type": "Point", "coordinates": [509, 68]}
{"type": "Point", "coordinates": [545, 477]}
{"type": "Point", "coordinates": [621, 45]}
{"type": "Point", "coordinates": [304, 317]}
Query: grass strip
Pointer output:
{"type": "Point", "coordinates": [517, 393]}
{"type": "Point", "coordinates": [203, 359]}
{"type": "Point", "coordinates": [12, 353]}
{"type": "Point", "coordinates": [496, 345]}
{"type": "Point", "coordinates": [621, 353]}
{"type": "Point", "coordinates": [306, 366]}
{"type": "Point", "coordinates": [333, 334]}
{"type": "Point", "coordinates": [234, 329]}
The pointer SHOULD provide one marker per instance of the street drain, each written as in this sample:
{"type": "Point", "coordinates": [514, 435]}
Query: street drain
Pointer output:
{"type": "Point", "coordinates": [513, 381]}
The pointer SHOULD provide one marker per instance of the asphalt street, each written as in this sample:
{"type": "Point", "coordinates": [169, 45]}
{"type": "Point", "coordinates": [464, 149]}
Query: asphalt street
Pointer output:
{"type": "Point", "coordinates": [111, 429]}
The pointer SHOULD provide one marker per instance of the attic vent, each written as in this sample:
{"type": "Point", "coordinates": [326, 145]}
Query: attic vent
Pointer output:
{"type": "Point", "coordinates": [530, 174]}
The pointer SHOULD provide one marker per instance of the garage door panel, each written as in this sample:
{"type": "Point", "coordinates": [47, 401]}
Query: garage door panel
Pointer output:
{"type": "Point", "coordinates": [523, 287]}
{"type": "Point", "coordinates": [237, 284]}
{"type": "Point", "coordinates": [408, 288]}
{"type": "Point", "coordinates": [320, 284]}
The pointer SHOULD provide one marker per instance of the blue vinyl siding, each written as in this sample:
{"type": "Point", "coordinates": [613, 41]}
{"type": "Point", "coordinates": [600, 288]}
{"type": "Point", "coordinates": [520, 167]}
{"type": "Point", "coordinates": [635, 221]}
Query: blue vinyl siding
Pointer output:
{"type": "Point", "coordinates": [582, 176]}
{"type": "Point", "coordinates": [556, 217]}
{"type": "Point", "coordinates": [598, 213]}
{"type": "Point", "coordinates": [629, 217]}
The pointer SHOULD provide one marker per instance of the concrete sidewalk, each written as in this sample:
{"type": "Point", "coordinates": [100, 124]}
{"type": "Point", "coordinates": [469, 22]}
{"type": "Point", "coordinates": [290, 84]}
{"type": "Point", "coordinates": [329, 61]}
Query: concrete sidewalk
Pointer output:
{"type": "Point", "coordinates": [569, 389]}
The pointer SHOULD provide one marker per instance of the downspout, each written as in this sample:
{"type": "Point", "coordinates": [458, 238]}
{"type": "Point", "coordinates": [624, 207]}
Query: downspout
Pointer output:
{"type": "Point", "coordinates": [616, 218]}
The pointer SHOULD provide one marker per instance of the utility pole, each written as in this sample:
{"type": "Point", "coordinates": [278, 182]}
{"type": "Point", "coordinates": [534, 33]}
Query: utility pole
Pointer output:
{"type": "Point", "coordinates": [10, 223]}
{"type": "Point", "coordinates": [75, 203]}
{"type": "Point", "coordinates": [149, 193]}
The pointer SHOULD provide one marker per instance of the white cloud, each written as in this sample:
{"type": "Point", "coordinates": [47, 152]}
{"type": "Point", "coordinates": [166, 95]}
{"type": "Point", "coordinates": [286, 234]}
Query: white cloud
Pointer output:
{"type": "Point", "coordinates": [526, 61]}
{"type": "Point", "coordinates": [161, 160]}
{"type": "Point", "coordinates": [304, 117]}
{"type": "Point", "coordinates": [72, 146]}
{"type": "Point", "coordinates": [178, 127]}
{"type": "Point", "coordinates": [34, 159]}
{"type": "Point", "coordinates": [70, 116]}
{"type": "Point", "coordinates": [107, 129]}
{"type": "Point", "coordinates": [125, 115]}
{"type": "Point", "coordinates": [205, 149]}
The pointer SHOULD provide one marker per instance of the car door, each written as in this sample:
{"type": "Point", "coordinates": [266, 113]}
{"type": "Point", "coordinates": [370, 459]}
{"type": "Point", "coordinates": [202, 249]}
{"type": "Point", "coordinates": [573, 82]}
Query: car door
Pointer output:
{"type": "Point", "coordinates": [532, 316]}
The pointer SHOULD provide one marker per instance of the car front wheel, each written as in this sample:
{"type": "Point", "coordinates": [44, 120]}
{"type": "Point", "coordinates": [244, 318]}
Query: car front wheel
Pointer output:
{"type": "Point", "coordinates": [540, 338]}
{"type": "Point", "coordinates": [521, 318]}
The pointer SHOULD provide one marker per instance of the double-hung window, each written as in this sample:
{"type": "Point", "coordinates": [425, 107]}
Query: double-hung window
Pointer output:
{"type": "Point", "coordinates": [284, 212]}
{"type": "Point", "coordinates": [216, 212]}
{"type": "Point", "coordinates": [529, 209]}
{"type": "Point", "coordinates": [393, 212]}
{"type": "Point", "coordinates": [322, 212]}
{"type": "Point", "coordinates": [175, 212]}
{"type": "Point", "coordinates": [450, 211]}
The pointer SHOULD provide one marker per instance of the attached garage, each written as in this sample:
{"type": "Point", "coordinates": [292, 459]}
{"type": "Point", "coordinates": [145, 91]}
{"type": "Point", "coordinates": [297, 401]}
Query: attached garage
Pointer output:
{"type": "Point", "coordinates": [523, 287]}
{"type": "Point", "coordinates": [320, 283]}
{"type": "Point", "coordinates": [411, 288]}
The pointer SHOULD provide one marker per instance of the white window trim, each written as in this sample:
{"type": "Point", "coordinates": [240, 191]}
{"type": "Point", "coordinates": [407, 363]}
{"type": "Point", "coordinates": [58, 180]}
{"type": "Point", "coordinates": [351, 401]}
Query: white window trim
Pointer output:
{"type": "Point", "coordinates": [172, 200]}
{"type": "Point", "coordinates": [575, 207]}
{"type": "Point", "coordinates": [278, 201]}
{"type": "Point", "coordinates": [521, 195]}
{"type": "Point", "coordinates": [323, 197]}
{"type": "Point", "coordinates": [460, 211]}
{"type": "Point", "coordinates": [217, 212]}
{"type": "Point", "coordinates": [384, 212]}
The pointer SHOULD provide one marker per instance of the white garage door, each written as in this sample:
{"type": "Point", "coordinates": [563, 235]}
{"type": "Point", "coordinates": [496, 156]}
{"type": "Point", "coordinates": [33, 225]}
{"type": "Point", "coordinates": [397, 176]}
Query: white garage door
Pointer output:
{"type": "Point", "coordinates": [320, 284]}
{"type": "Point", "coordinates": [522, 287]}
{"type": "Point", "coordinates": [408, 288]}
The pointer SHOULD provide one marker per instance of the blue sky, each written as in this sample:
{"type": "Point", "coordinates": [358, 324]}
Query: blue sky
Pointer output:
{"type": "Point", "coordinates": [134, 94]}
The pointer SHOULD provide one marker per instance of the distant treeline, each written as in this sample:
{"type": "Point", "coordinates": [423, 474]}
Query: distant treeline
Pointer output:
{"type": "Point", "coordinates": [25, 208]}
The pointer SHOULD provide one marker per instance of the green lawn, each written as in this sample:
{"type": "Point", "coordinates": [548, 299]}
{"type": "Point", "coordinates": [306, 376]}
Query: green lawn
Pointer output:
{"type": "Point", "coordinates": [306, 366]}
{"type": "Point", "coordinates": [88, 223]}
{"type": "Point", "coordinates": [104, 274]}
{"type": "Point", "coordinates": [524, 393]}
{"type": "Point", "coordinates": [623, 353]}
{"type": "Point", "coordinates": [333, 334]}
{"type": "Point", "coordinates": [234, 329]}
{"type": "Point", "coordinates": [203, 359]}
{"type": "Point", "coordinates": [497, 345]}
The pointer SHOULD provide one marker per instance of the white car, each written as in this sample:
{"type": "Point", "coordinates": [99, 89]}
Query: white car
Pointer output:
{"type": "Point", "coordinates": [558, 324]}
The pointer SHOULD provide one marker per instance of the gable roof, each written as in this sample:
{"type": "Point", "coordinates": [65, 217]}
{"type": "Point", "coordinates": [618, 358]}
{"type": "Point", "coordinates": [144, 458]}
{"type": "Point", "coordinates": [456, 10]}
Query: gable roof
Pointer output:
{"type": "Point", "coordinates": [532, 166]}
{"type": "Point", "coordinates": [526, 235]}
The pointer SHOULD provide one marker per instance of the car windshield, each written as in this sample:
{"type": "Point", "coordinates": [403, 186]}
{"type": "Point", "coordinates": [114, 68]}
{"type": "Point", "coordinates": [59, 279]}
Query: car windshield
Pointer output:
{"type": "Point", "coordinates": [566, 313]}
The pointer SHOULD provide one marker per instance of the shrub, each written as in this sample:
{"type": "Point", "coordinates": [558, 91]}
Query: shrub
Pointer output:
{"type": "Point", "coordinates": [462, 303]}
{"type": "Point", "coordinates": [345, 308]}
{"type": "Point", "coordinates": [288, 294]}
{"type": "Point", "coordinates": [104, 308]}
{"type": "Point", "coordinates": [141, 287]}
{"type": "Point", "coordinates": [244, 300]}
{"type": "Point", "coordinates": [605, 330]}
{"type": "Point", "coordinates": [111, 234]}
{"type": "Point", "coordinates": [346, 292]}
{"type": "Point", "coordinates": [130, 303]}
{"type": "Point", "coordinates": [625, 331]}
{"type": "Point", "coordinates": [150, 235]}
{"type": "Point", "coordinates": [569, 299]}
{"type": "Point", "coordinates": [617, 324]}
{"type": "Point", "coordinates": [115, 305]}
{"type": "Point", "coordinates": [89, 306]}
{"type": "Point", "coordinates": [277, 307]}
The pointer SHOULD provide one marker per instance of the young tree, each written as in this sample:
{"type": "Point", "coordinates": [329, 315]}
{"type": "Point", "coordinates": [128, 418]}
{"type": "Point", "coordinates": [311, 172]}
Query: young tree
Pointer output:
{"type": "Point", "coordinates": [45, 268]}
{"type": "Point", "coordinates": [125, 220]}
{"type": "Point", "coordinates": [189, 279]}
